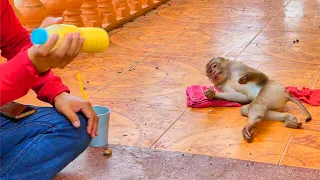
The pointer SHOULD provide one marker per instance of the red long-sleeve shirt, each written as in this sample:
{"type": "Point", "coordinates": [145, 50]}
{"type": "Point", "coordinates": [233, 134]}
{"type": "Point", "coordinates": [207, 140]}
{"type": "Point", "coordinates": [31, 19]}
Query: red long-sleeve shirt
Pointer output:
{"type": "Point", "coordinates": [18, 75]}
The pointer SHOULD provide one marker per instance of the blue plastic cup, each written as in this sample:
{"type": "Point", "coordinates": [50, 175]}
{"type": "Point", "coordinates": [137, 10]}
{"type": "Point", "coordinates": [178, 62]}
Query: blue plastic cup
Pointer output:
{"type": "Point", "coordinates": [103, 127]}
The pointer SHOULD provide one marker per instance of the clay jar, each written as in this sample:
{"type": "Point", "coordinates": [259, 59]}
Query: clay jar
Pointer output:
{"type": "Point", "coordinates": [135, 5]}
{"type": "Point", "coordinates": [72, 15]}
{"type": "Point", "coordinates": [18, 14]}
{"type": "Point", "coordinates": [32, 11]}
{"type": "Point", "coordinates": [148, 2]}
{"type": "Point", "coordinates": [55, 8]}
{"type": "Point", "coordinates": [122, 8]}
{"type": "Point", "coordinates": [90, 13]}
{"type": "Point", "coordinates": [107, 13]}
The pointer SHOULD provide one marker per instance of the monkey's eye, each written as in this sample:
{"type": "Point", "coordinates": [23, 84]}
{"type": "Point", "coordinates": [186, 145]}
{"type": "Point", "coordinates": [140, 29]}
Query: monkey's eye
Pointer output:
{"type": "Point", "coordinates": [214, 65]}
{"type": "Point", "coordinates": [210, 71]}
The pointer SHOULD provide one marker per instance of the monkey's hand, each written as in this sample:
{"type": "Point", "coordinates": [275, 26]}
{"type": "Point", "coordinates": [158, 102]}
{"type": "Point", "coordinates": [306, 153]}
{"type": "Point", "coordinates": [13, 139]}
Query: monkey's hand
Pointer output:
{"type": "Point", "coordinates": [210, 93]}
{"type": "Point", "coordinates": [244, 79]}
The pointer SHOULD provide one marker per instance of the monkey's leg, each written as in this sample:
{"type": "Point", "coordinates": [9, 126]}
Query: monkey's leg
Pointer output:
{"type": "Point", "coordinates": [290, 120]}
{"type": "Point", "coordinates": [255, 115]}
{"type": "Point", "coordinates": [270, 115]}
{"type": "Point", "coordinates": [244, 110]}
{"type": "Point", "coordinates": [232, 96]}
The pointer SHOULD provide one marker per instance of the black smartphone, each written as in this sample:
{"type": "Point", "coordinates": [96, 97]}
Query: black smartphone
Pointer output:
{"type": "Point", "coordinates": [16, 110]}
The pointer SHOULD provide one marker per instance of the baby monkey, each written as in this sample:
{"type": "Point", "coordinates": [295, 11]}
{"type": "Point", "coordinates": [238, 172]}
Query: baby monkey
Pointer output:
{"type": "Point", "coordinates": [262, 98]}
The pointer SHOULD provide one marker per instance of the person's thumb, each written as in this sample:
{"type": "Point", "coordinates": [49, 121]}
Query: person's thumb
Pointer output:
{"type": "Point", "coordinates": [72, 117]}
{"type": "Point", "coordinates": [50, 21]}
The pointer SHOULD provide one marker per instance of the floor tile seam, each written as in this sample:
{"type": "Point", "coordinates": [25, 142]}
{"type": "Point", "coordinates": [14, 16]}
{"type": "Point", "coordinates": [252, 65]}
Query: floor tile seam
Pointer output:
{"type": "Point", "coordinates": [117, 77]}
{"type": "Point", "coordinates": [251, 41]}
{"type": "Point", "coordinates": [271, 19]}
{"type": "Point", "coordinates": [133, 66]}
{"type": "Point", "coordinates": [163, 47]}
{"type": "Point", "coordinates": [287, 144]}
{"type": "Point", "coordinates": [156, 140]}
{"type": "Point", "coordinates": [300, 115]}
{"type": "Point", "coordinates": [169, 127]}
{"type": "Point", "coordinates": [291, 134]}
{"type": "Point", "coordinates": [316, 78]}
{"type": "Point", "coordinates": [142, 60]}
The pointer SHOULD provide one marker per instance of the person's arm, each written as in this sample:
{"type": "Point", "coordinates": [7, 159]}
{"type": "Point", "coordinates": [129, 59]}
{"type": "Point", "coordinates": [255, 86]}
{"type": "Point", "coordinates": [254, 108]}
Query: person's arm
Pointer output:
{"type": "Point", "coordinates": [48, 87]}
{"type": "Point", "coordinates": [16, 78]}
{"type": "Point", "coordinates": [19, 75]}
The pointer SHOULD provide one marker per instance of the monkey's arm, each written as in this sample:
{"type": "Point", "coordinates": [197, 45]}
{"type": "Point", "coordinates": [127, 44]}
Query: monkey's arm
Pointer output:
{"type": "Point", "coordinates": [228, 96]}
{"type": "Point", "coordinates": [232, 96]}
{"type": "Point", "coordinates": [252, 75]}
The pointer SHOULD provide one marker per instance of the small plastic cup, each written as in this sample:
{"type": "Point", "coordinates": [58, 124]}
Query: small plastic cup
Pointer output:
{"type": "Point", "coordinates": [103, 127]}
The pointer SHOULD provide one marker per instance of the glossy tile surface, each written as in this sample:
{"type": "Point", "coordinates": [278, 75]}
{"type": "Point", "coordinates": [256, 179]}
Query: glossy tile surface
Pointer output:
{"type": "Point", "coordinates": [219, 134]}
{"type": "Point", "coordinates": [303, 149]}
{"type": "Point", "coordinates": [151, 60]}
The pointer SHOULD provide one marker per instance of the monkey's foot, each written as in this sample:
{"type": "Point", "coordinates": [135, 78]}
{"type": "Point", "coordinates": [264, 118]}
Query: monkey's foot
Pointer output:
{"type": "Point", "coordinates": [244, 79]}
{"type": "Point", "coordinates": [292, 122]}
{"type": "Point", "coordinates": [249, 130]}
{"type": "Point", "coordinates": [246, 134]}
{"type": "Point", "coordinates": [210, 93]}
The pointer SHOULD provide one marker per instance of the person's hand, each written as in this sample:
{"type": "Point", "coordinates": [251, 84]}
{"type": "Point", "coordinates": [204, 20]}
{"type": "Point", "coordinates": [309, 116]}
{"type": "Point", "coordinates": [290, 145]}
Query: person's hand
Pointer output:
{"type": "Point", "coordinates": [69, 105]}
{"type": "Point", "coordinates": [44, 58]}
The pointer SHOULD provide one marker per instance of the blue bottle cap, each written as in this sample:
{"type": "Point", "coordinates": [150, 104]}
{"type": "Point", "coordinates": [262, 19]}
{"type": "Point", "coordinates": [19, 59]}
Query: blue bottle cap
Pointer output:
{"type": "Point", "coordinates": [39, 36]}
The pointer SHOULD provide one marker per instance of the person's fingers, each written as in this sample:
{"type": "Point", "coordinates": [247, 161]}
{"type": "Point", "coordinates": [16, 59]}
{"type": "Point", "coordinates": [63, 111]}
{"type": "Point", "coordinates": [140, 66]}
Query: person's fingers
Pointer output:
{"type": "Point", "coordinates": [72, 57]}
{"type": "Point", "coordinates": [64, 47]}
{"type": "Point", "coordinates": [97, 133]}
{"type": "Point", "coordinates": [90, 125]}
{"type": "Point", "coordinates": [66, 61]}
{"type": "Point", "coordinates": [72, 117]}
{"type": "Point", "coordinates": [80, 44]}
{"type": "Point", "coordinates": [90, 115]}
{"type": "Point", "coordinates": [74, 46]}
{"type": "Point", "coordinates": [95, 126]}
{"type": "Point", "coordinates": [46, 48]}
{"type": "Point", "coordinates": [50, 21]}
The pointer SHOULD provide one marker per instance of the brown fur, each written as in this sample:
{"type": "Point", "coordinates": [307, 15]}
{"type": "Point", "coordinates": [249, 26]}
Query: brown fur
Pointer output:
{"type": "Point", "coordinates": [262, 97]}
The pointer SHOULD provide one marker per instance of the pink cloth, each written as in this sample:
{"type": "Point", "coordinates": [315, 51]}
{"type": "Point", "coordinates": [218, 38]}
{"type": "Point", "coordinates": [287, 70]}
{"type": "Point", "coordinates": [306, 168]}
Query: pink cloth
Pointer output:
{"type": "Point", "coordinates": [310, 96]}
{"type": "Point", "coordinates": [196, 98]}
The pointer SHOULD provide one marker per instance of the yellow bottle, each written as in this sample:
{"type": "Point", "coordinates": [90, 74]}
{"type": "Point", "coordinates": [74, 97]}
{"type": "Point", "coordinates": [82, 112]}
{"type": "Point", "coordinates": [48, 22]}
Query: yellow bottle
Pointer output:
{"type": "Point", "coordinates": [96, 39]}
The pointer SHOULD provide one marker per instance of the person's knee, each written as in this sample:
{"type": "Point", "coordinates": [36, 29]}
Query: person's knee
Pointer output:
{"type": "Point", "coordinates": [78, 137]}
{"type": "Point", "coordinates": [244, 111]}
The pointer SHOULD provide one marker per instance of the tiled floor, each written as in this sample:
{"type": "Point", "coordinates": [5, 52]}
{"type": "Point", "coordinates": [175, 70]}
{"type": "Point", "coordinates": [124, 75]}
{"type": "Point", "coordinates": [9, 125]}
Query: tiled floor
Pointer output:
{"type": "Point", "coordinates": [151, 61]}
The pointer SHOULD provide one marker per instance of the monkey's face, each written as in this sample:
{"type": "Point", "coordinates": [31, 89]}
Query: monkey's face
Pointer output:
{"type": "Point", "coordinates": [217, 70]}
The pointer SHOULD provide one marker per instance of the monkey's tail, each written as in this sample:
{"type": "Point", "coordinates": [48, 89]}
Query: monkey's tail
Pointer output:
{"type": "Point", "coordinates": [309, 117]}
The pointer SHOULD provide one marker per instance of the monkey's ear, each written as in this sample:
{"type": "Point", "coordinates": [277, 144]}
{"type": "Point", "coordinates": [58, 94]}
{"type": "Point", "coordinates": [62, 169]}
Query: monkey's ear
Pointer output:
{"type": "Point", "coordinates": [223, 59]}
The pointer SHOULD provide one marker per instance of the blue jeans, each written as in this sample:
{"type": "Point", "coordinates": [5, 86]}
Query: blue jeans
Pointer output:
{"type": "Point", "coordinates": [41, 145]}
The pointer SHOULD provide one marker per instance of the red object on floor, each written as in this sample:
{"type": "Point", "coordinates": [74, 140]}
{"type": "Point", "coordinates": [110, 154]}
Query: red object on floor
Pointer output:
{"type": "Point", "coordinates": [310, 96]}
{"type": "Point", "coordinates": [196, 98]}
